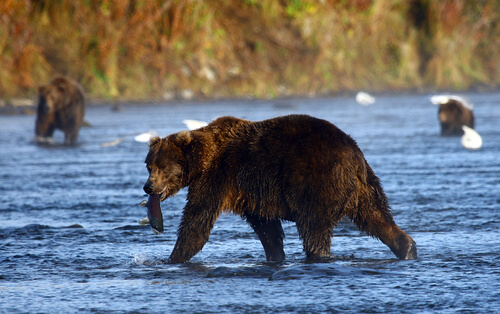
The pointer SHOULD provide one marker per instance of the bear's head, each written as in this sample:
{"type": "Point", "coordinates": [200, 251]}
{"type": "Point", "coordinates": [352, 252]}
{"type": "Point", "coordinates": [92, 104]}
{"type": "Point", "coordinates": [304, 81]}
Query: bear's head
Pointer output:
{"type": "Point", "coordinates": [54, 96]}
{"type": "Point", "coordinates": [452, 115]}
{"type": "Point", "coordinates": [452, 112]}
{"type": "Point", "coordinates": [167, 164]}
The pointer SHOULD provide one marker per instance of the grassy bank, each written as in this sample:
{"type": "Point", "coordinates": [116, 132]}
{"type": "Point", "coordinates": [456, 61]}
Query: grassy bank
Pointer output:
{"type": "Point", "coordinates": [134, 49]}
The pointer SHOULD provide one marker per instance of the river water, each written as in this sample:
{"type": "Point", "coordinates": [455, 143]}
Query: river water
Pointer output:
{"type": "Point", "coordinates": [70, 239]}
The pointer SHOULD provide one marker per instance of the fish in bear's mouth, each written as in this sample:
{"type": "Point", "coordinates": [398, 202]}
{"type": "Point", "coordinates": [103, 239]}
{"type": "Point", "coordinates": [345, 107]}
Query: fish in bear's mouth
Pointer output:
{"type": "Point", "coordinates": [154, 213]}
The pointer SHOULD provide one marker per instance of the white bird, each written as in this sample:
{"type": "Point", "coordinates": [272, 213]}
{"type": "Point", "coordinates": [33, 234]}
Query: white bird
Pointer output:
{"type": "Point", "coordinates": [112, 143]}
{"type": "Point", "coordinates": [194, 124]}
{"type": "Point", "coordinates": [471, 139]}
{"type": "Point", "coordinates": [365, 99]}
{"type": "Point", "coordinates": [443, 99]}
{"type": "Point", "coordinates": [145, 137]}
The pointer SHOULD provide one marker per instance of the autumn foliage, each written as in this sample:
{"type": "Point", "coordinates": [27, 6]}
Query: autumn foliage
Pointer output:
{"type": "Point", "coordinates": [138, 49]}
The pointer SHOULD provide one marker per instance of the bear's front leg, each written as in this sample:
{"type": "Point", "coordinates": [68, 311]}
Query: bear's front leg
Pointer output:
{"type": "Point", "coordinates": [194, 231]}
{"type": "Point", "coordinates": [271, 236]}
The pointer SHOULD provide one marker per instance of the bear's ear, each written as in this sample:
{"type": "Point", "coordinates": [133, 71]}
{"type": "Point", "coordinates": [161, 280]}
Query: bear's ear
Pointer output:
{"type": "Point", "coordinates": [153, 141]}
{"type": "Point", "coordinates": [183, 138]}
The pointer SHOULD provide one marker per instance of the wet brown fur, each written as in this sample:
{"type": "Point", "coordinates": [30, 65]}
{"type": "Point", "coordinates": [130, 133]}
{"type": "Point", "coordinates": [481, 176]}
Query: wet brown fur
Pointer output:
{"type": "Point", "coordinates": [61, 105]}
{"type": "Point", "coordinates": [452, 116]}
{"type": "Point", "coordinates": [295, 168]}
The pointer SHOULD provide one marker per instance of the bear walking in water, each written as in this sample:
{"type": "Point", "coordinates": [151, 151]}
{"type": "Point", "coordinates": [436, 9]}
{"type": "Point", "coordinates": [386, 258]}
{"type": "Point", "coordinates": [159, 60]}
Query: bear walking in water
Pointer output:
{"type": "Point", "coordinates": [454, 112]}
{"type": "Point", "coordinates": [295, 168]}
{"type": "Point", "coordinates": [61, 105]}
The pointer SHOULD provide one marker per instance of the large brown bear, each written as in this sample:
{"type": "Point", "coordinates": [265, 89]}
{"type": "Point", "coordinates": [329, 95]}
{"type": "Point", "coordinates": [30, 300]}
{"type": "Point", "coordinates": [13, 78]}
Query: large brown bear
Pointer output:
{"type": "Point", "coordinates": [453, 113]}
{"type": "Point", "coordinates": [61, 105]}
{"type": "Point", "coordinates": [295, 168]}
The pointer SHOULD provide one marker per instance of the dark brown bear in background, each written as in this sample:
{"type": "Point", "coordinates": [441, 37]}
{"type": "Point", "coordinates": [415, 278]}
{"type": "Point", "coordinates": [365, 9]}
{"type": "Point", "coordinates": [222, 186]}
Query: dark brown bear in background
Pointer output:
{"type": "Point", "coordinates": [454, 112]}
{"type": "Point", "coordinates": [295, 168]}
{"type": "Point", "coordinates": [61, 105]}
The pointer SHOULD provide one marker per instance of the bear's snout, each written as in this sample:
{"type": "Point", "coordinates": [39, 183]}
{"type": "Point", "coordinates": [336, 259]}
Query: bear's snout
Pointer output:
{"type": "Point", "coordinates": [148, 187]}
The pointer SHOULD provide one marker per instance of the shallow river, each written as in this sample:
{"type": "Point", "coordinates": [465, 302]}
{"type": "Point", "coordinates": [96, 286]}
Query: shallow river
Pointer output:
{"type": "Point", "coordinates": [70, 239]}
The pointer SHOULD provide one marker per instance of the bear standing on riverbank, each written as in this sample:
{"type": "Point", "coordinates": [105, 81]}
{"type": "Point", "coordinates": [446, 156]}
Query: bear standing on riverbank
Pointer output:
{"type": "Point", "coordinates": [295, 168]}
{"type": "Point", "coordinates": [61, 105]}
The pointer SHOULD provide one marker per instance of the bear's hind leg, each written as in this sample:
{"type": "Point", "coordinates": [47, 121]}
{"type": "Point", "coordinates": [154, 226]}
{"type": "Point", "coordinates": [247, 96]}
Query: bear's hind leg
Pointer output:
{"type": "Point", "coordinates": [70, 137]}
{"type": "Point", "coordinates": [316, 238]}
{"type": "Point", "coordinates": [69, 140]}
{"type": "Point", "coordinates": [271, 236]}
{"type": "Point", "coordinates": [369, 210]}
{"type": "Point", "coordinates": [380, 224]}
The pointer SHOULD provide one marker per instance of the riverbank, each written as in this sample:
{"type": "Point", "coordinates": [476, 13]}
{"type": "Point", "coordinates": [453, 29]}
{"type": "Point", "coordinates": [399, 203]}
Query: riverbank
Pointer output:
{"type": "Point", "coordinates": [21, 106]}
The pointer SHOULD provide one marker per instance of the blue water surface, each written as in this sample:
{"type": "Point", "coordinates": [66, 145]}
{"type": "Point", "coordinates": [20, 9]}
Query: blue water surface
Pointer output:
{"type": "Point", "coordinates": [70, 239]}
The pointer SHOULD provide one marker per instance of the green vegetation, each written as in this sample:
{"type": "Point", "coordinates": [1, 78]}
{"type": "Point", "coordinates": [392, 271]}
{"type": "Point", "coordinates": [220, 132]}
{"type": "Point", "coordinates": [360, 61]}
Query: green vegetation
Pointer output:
{"type": "Point", "coordinates": [138, 49]}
